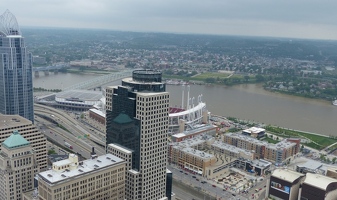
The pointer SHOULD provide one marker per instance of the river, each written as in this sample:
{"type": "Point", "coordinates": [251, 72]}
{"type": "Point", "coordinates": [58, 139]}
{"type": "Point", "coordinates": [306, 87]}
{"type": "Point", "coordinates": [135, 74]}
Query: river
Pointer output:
{"type": "Point", "coordinates": [250, 102]}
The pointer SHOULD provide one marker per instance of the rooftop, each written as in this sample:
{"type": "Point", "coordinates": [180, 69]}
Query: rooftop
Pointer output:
{"type": "Point", "coordinates": [287, 175]}
{"type": "Point", "coordinates": [12, 121]}
{"type": "Point", "coordinates": [88, 166]}
{"type": "Point", "coordinates": [15, 141]}
{"type": "Point", "coordinates": [311, 164]}
{"type": "Point", "coordinates": [254, 130]}
{"type": "Point", "coordinates": [319, 181]}
{"type": "Point", "coordinates": [84, 95]}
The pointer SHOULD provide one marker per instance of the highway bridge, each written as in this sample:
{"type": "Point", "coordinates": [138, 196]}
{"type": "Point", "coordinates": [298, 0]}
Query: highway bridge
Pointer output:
{"type": "Point", "coordinates": [72, 131]}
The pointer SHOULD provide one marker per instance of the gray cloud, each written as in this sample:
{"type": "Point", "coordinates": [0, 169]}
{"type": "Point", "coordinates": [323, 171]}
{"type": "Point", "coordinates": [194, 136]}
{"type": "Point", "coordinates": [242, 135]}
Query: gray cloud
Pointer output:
{"type": "Point", "coordinates": [282, 18]}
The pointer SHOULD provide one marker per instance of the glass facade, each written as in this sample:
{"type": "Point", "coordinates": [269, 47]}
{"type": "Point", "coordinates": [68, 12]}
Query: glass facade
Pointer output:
{"type": "Point", "coordinates": [16, 82]}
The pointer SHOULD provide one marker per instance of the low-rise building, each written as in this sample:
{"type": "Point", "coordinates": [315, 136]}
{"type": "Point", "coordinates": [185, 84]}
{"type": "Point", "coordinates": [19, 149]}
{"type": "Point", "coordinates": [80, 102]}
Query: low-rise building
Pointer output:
{"type": "Point", "coordinates": [277, 153]}
{"type": "Point", "coordinates": [254, 132]}
{"type": "Point", "coordinates": [101, 177]}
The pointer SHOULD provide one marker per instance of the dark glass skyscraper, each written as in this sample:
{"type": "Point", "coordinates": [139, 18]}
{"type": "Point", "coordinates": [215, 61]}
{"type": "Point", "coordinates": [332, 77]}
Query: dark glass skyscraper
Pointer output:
{"type": "Point", "coordinates": [137, 114]}
{"type": "Point", "coordinates": [16, 84]}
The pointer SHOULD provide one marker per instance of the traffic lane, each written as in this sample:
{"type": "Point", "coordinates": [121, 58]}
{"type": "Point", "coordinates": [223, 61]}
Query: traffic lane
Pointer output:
{"type": "Point", "coordinates": [208, 186]}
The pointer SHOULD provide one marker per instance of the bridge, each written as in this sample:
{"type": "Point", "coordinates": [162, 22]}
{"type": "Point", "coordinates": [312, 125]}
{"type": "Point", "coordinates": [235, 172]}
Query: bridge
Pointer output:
{"type": "Point", "coordinates": [95, 83]}
{"type": "Point", "coordinates": [46, 69]}
{"type": "Point", "coordinates": [102, 80]}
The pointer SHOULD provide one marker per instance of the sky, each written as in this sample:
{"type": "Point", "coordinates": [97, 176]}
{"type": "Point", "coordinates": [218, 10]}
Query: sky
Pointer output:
{"type": "Point", "coordinates": [313, 19]}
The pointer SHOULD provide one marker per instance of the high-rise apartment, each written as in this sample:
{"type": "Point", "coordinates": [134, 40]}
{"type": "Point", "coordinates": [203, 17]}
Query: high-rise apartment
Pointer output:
{"type": "Point", "coordinates": [10, 123]}
{"type": "Point", "coordinates": [17, 167]}
{"type": "Point", "coordinates": [16, 84]}
{"type": "Point", "coordinates": [137, 114]}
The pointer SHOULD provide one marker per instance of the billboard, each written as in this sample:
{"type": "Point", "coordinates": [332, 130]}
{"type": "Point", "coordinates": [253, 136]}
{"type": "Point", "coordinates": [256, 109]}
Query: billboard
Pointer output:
{"type": "Point", "coordinates": [280, 187]}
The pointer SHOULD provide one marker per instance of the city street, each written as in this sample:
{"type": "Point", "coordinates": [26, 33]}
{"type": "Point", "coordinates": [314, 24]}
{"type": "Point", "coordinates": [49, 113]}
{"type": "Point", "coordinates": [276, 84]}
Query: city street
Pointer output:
{"type": "Point", "coordinates": [202, 184]}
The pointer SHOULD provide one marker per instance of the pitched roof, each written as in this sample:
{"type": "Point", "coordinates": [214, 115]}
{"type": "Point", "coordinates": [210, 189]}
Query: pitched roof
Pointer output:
{"type": "Point", "coordinates": [122, 118]}
{"type": "Point", "coordinates": [15, 140]}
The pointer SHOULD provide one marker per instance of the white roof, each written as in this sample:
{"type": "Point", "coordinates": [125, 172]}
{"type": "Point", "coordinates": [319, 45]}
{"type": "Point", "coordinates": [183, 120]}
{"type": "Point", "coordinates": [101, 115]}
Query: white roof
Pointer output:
{"type": "Point", "coordinates": [311, 164]}
{"type": "Point", "coordinates": [287, 175]}
{"type": "Point", "coordinates": [318, 180]}
{"type": "Point", "coordinates": [88, 166]}
{"type": "Point", "coordinates": [195, 108]}
{"type": "Point", "coordinates": [254, 130]}
{"type": "Point", "coordinates": [97, 112]}
{"type": "Point", "coordinates": [120, 148]}
{"type": "Point", "coordinates": [179, 135]}
{"type": "Point", "coordinates": [62, 162]}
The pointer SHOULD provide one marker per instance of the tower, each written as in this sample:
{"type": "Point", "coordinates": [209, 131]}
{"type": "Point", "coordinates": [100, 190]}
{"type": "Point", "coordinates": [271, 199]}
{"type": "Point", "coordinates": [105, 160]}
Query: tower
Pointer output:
{"type": "Point", "coordinates": [17, 166]}
{"type": "Point", "coordinates": [137, 115]}
{"type": "Point", "coordinates": [16, 85]}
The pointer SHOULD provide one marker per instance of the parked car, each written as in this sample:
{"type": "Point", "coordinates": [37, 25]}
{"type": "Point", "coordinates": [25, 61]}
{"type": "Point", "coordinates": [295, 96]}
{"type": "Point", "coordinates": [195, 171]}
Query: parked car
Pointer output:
{"type": "Point", "coordinates": [213, 185]}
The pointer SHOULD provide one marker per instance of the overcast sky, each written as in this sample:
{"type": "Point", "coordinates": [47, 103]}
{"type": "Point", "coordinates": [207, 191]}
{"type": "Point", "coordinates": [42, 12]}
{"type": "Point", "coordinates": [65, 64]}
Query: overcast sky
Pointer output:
{"type": "Point", "coordinates": [280, 18]}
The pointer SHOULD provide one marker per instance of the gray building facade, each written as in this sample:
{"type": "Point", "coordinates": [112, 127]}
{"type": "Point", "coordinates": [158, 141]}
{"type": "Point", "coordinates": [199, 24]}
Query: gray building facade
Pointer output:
{"type": "Point", "coordinates": [16, 84]}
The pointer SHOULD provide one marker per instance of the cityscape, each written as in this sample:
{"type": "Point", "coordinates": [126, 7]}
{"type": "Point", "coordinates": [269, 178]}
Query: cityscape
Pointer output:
{"type": "Point", "coordinates": [122, 135]}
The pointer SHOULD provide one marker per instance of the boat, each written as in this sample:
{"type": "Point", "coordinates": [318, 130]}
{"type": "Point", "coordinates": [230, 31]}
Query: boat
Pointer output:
{"type": "Point", "coordinates": [334, 102]}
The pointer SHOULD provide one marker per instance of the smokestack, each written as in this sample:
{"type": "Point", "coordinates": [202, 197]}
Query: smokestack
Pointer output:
{"type": "Point", "coordinates": [93, 154]}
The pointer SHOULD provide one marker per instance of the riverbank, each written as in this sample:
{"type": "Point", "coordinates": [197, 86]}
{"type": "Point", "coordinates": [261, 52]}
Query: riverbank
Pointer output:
{"type": "Point", "coordinates": [275, 133]}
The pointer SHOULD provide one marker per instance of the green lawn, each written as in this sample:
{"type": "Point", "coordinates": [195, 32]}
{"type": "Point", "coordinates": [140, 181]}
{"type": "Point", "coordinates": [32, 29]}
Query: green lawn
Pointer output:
{"type": "Point", "coordinates": [211, 75]}
{"type": "Point", "coordinates": [322, 141]}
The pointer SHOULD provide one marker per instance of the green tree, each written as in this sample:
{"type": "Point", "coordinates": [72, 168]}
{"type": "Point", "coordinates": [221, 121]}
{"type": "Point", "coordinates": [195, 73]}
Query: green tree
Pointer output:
{"type": "Point", "coordinates": [259, 78]}
{"type": "Point", "coordinates": [246, 78]}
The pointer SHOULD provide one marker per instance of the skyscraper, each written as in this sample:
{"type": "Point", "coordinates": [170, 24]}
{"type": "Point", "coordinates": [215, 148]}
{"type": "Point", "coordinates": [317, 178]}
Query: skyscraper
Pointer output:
{"type": "Point", "coordinates": [17, 167]}
{"type": "Point", "coordinates": [16, 85]}
{"type": "Point", "coordinates": [137, 115]}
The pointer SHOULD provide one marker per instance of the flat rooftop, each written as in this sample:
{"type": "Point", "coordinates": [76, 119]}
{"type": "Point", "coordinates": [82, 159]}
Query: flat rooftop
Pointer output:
{"type": "Point", "coordinates": [287, 175]}
{"type": "Point", "coordinates": [12, 121]}
{"type": "Point", "coordinates": [311, 164]}
{"type": "Point", "coordinates": [88, 166]}
{"type": "Point", "coordinates": [319, 181]}
{"type": "Point", "coordinates": [254, 130]}
{"type": "Point", "coordinates": [231, 148]}
{"type": "Point", "coordinates": [84, 95]}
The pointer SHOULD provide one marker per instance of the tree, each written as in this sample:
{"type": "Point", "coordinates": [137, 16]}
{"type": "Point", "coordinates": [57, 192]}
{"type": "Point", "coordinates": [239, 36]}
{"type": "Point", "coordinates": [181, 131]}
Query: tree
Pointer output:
{"type": "Point", "coordinates": [246, 78]}
{"type": "Point", "coordinates": [334, 160]}
{"type": "Point", "coordinates": [302, 147]}
{"type": "Point", "coordinates": [259, 78]}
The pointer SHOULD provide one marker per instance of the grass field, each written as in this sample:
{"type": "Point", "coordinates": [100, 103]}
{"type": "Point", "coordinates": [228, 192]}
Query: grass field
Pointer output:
{"type": "Point", "coordinates": [318, 142]}
{"type": "Point", "coordinates": [211, 75]}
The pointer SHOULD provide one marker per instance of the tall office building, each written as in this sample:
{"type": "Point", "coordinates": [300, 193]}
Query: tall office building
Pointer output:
{"type": "Point", "coordinates": [137, 114]}
{"type": "Point", "coordinates": [17, 167]}
{"type": "Point", "coordinates": [16, 84]}
{"type": "Point", "coordinates": [10, 123]}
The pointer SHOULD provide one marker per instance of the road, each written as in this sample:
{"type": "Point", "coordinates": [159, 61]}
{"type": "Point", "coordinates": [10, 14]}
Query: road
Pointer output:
{"type": "Point", "coordinates": [74, 134]}
{"type": "Point", "coordinates": [207, 187]}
